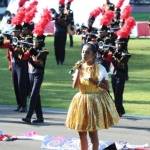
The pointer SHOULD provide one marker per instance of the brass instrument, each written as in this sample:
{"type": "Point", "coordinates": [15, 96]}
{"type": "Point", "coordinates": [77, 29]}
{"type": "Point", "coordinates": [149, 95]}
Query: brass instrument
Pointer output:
{"type": "Point", "coordinates": [105, 47]}
{"type": "Point", "coordinates": [42, 54]}
{"type": "Point", "coordinates": [111, 30]}
{"type": "Point", "coordinates": [16, 41]}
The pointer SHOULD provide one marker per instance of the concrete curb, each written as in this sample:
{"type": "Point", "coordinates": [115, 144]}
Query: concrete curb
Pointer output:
{"type": "Point", "coordinates": [63, 111]}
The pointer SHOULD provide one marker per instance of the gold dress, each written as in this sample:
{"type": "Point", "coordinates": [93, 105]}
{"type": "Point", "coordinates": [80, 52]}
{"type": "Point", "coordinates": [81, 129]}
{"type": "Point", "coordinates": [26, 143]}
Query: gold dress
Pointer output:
{"type": "Point", "coordinates": [91, 108]}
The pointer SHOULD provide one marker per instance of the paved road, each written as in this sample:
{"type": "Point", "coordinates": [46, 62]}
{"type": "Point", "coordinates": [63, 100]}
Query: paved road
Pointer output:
{"type": "Point", "coordinates": [132, 129]}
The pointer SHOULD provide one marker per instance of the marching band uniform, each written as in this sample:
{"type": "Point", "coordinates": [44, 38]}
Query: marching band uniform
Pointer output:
{"type": "Point", "coordinates": [19, 77]}
{"type": "Point", "coordinates": [27, 29]}
{"type": "Point", "coordinates": [62, 20]}
{"type": "Point", "coordinates": [60, 37]}
{"type": "Point", "coordinates": [103, 37]}
{"type": "Point", "coordinates": [18, 66]}
{"type": "Point", "coordinates": [36, 64]}
{"type": "Point", "coordinates": [60, 41]}
{"type": "Point", "coordinates": [71, 24]}
{"type": "Point", "coordinates": [71, 40]}
{"type": "Point", "coordinates": [119, 76]}
{"type": "Point", "coordinates": [36, 74]}
{"type": "Point", "coordinates": [120, 62]}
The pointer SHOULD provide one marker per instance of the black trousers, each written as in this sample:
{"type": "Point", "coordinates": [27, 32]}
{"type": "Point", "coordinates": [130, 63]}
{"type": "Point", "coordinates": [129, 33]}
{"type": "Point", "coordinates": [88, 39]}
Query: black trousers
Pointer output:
{"type": "Point", "coordinates": [71, 40]}
{"type": "Point", "coordinates": [20, 82]}
{"type": "Point", "coordinates": [36, 80]}
{"type": "Point", "coordinates": [118, 83]}
{"type": "Point", "coordinates": [59, 45]}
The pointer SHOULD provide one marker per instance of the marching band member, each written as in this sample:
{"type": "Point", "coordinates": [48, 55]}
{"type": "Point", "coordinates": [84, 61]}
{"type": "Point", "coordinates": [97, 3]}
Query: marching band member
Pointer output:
{"type": "Point", "coordinates": [70, 28]}
{"type": "Point", "coordinates": [36, 69]}
{"type": "Point", "coordinates": [36, 75]}
{"type": "Point", "coordinates": [120, 63]}
{"type": "Point", "coordinates": [62, 20]}
{"type": "Point", "coordinates": [19, 65]}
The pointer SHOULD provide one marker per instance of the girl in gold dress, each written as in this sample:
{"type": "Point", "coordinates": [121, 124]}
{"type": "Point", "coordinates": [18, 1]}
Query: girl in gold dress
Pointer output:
{"type": "Point", "coordinates": [91, 108]}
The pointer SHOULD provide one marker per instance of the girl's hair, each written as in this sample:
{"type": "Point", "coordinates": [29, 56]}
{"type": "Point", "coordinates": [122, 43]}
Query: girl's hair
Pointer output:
{"type": "Point", "coordinates": [92, 46]}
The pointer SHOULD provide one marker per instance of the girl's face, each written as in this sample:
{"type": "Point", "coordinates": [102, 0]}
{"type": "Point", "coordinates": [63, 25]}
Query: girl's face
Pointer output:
{"type": "Point", "coordinates": [87, 54]}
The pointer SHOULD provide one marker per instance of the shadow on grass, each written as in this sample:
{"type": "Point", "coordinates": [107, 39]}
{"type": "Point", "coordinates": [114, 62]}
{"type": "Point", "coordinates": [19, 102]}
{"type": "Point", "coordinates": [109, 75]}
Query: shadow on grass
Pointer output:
{"type": "Point", "coordinates": [50, 123]}
{"type": "Point", "coordinates": [137, 84]}
{"type": "Point", "coordinates": [11, 121]}
{"type": "Point", "coordinates": [137, 102]}
{"type": "Point", "coordinates": [139, 62]}
{"type": "Point", "coordinates": [138, 80]}
{"type": "Point", "coordinates": [133, 128]}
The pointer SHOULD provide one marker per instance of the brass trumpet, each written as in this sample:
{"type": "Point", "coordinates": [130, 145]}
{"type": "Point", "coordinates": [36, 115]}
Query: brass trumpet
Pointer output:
{"type": "Point", "coordinates": [105, 47]}
{"type": "Point", "coordinates": [16, 41]}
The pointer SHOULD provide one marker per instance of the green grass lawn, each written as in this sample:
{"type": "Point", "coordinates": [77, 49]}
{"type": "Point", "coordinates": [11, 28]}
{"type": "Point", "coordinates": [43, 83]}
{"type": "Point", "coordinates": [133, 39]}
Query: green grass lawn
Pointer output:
{"type": "Point", "coordinates": [56, 89]}
{"type": "Point", "coordinates": [137, 91]}
{"type": "Point", "coordinates": [141, 16]}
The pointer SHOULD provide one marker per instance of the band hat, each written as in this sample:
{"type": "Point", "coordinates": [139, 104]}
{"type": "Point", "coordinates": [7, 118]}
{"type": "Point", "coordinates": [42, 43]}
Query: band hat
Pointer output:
{"type": "Point", "coordinates": [28, 26]}
{"type": "Point", "coordinates": [103, 28]}
{"type": "Point", "coordinates": [16, 28]}
{"type": "Point", "coordinates": [111, 6]}
{"type": "Point", "coordinates": [41, 25]}
{"type": "Point", "coordinates": [39, 39]}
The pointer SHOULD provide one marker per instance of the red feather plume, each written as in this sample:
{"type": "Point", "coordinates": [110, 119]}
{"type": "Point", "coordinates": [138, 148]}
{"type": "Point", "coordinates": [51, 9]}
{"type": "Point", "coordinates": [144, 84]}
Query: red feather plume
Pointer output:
{"type": "Point", "coordinates": [22, 2]}
{"type": "Point", "coordinates": [126, 12]}
{"type": "Point", "coordinates": [45, 19]}
{"type": "Point", "coordinates": [30, 11]}
{"type": "Point", "coordinates": [107, 18]}
{"type": "Point", "coordinates": [70, 1]}
{"type": "Point", "coordinates": [30, 15]}
{"type": "Point", "coordinates": [61, 2]}
{"type": "Point", "coordinates": [130, 22]}
{"type": "Point", "coordinates": [18, 19]}
{"type": "Point", "coordinates": [125, 31]}
{"type": "Point", "coordinates": [31, 5]}
{"type": "Point", "coordinates": [96, 12]}
{"type": "Point", "coordinates": [119, 4]}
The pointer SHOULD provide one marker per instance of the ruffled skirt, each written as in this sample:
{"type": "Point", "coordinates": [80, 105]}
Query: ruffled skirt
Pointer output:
{"type": "Point", "coordinates": [91, 111]}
